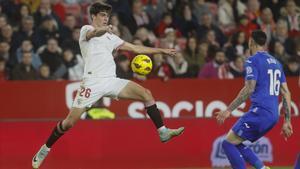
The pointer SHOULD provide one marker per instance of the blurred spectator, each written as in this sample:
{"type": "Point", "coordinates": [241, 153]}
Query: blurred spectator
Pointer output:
{"type": "Point", "coordinates": [137, 41]}
{"type": "Point", "coordinates": [24, 11]}
{"type": "Point", "coordinates": [33, 4]}
{"type": "Point", "coordinates": [123, 69]}
{"type": "Point", "coordinates": [51, 55]}
{"type": "Point", "coordinates": [166, 22]}
{"type": "Point", "coordinates": [48, 29]}
{"type": "Point", "coordinates": [246, 25]}
{"type": "Point", "coordinates": [292, 68]}
{"type": "Point", "coordinates": [253, 9]}
{"type": "Point", "coordinates": [7, 34]}
{"type": "Point", "coordinates": [4, 50]}
{"type": "Point", "coordinates": [155, 9]}
{"type": "Point", "coordinates": [278, 51]}
{"type": "Point", "coordinates": [68, 27]}
{"type": "Point", "coordinates": [187, 22]}
{"type": "Point", "coordinates": [28, 47]}
{"type": "Point", "coordinates": [274, 5]}
{"type": "Point", "coordinates": [26, 31]}
{"type": "Point", "coordinates": [281, 34]}
{"type": "Point", "coordinates": [210, 37]}
{"type": "Point", "coordinates": [266, 23]}
{"type": "Point", "coordinates": [161, 69]}
{"type": "Point", "coordinates": [123, 9]}
{"type": "Point", "coordinates": [24, 70]}
{"type": "Point", "coordinates": [228, 13]}
{"type": "Point", "coordinates": [9, 8]}
{"type": "Point", "coordinates": [44, 72]}
{"type": "Point", "coordinates": [193, 56]}
{"type": "Point", "coordinates": [176, 6]}
{"type": "Point", "coordinates": [203, 47]}
{"type": "Point", "coordinates": [6, 55]}
{"type": "Point", "coordinates": [43, 11]}
{"type": "Point", "coordinates": [178, 64]}
{"type": "Point", "coordinates": [280, 19]}
{"type": "Point", "coordinates": [59, 8]}
{"type": "Point", "coordinates": [3, 70]}
{"type": "Point", "coordinates": [211, 69]}
{"type": "Point", "coordinates": [139, 18]}
{"type": "Point", "coordinates": [236, 67]}
{"type": "Point", "coordinates": [169, 41]}
{"type": "Point", "coordinates": [73, 42]}
{"type": "Point", "coordinates": [3, 20]}
{"type": "Point", "coordinates": [237, 46]}
{"type": "Point", "coordinates": [145, 36]}
{"type": "Point", "coordinates": [207, 25]}
{"type": "Point", "coordinates": [74, 65]}
{"type": "Point", "coordinates": [200, 7]}
{"type": "Point", "coordinates": [292, 18]}
{"type": "Point", "coordinates": [125, 34]}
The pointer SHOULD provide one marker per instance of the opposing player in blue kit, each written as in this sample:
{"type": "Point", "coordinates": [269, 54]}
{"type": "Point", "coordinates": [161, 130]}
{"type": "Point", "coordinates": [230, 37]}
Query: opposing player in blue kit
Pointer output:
{"type": "Point", "coordinates": [264, 80]}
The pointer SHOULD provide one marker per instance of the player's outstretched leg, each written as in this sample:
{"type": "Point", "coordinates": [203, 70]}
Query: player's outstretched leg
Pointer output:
{"type": "Point", "coordinates": [57, 132]}
{"type": "Point", "coordinates": [136, 92]}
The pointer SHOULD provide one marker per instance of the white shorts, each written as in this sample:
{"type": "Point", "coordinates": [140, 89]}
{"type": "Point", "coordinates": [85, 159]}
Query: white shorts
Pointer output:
{"type": "Point", "coordinates": [92, 89]}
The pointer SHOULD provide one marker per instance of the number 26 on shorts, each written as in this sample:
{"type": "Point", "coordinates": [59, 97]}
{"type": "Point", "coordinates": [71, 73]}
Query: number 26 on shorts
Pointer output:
{"type": "Point", "coordinates": [85, 92]}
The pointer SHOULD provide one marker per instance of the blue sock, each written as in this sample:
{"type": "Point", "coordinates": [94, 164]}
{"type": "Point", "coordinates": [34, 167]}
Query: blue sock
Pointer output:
{"type": "Point", "coordinates": [250, 156]}
{"type": "Point", "coordinates": [233, 155]}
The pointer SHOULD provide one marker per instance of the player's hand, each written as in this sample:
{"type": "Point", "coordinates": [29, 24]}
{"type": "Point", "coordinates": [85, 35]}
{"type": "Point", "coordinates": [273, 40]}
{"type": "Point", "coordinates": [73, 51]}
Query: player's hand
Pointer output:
{"type": "Point", "coordinates": [103, 30]}
{"type": "Point", "coordinates": [171, 52]}
{"type": "Point", "coordinates": [287, 130]}
{"type": "Point", "coordinates": [222, 115]}
{"type": "Point", "coordinates": [109, 29]}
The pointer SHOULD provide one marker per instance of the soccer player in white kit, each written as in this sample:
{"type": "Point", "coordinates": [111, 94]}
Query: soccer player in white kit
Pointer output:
{"type": "Point", "coordinates": [97, 43]}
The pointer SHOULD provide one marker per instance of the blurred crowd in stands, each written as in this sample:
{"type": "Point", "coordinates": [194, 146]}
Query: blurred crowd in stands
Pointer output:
{"type": "Point", "coordinates": [39, 38]}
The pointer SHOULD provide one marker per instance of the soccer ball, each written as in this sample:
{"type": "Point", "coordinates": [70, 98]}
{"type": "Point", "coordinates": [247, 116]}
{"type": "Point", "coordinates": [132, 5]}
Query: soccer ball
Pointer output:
{"type": "Point", "coordinates": [141, 64]}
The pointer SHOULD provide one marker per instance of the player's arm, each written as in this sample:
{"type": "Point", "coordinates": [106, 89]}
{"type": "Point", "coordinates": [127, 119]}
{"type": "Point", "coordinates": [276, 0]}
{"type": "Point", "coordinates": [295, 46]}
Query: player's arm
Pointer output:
{"type": "Point", "coordinates": [146, 50]}
{"type": "Point", "coordinates": [243, 95]}
{"type": "Point", "coordinates": [287, 129]}
{"type": "Point", "coordinates": [98, 32]}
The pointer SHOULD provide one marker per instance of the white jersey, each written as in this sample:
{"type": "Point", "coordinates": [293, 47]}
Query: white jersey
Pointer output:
{"type": "Point", "coordinates": [97, 53]}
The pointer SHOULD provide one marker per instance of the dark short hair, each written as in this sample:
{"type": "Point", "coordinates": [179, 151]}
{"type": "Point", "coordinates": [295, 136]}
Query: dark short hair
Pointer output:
{"type": "Point", "coordinates": [259, 37]}
{"type": "Point", "coordinates": [99, 7]}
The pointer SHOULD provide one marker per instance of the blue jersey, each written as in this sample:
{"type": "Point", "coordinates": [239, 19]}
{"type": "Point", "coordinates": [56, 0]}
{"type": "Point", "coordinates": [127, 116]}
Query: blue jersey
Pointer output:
{"type": "Point", "coordinates": [269, 75]}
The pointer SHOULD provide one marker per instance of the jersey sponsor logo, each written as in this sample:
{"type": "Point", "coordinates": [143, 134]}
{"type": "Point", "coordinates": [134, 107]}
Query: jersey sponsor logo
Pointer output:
{"type": "Point", "coordinates": [248, 61]}
{"type": "Point", "coordinates": [200, 108]}
{"type": "Point", "coordinates": [262, 148]}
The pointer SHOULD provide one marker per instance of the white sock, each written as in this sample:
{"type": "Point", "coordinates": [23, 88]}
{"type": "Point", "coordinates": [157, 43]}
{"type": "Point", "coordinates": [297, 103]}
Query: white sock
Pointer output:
{"type": "Point", "coordinates": [161, 129]}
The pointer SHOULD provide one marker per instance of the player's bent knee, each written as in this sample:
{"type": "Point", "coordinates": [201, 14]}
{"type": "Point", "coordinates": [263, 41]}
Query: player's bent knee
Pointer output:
{"type": "Point", "coordinates": [67, 124]}
{"type": "Point", "coordinates": [233, 138]}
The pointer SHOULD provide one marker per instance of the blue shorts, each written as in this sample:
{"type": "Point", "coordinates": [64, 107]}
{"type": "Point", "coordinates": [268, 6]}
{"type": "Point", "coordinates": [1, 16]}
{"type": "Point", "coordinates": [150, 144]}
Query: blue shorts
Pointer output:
{"type": "Point", "coordinates": [253, 125]}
